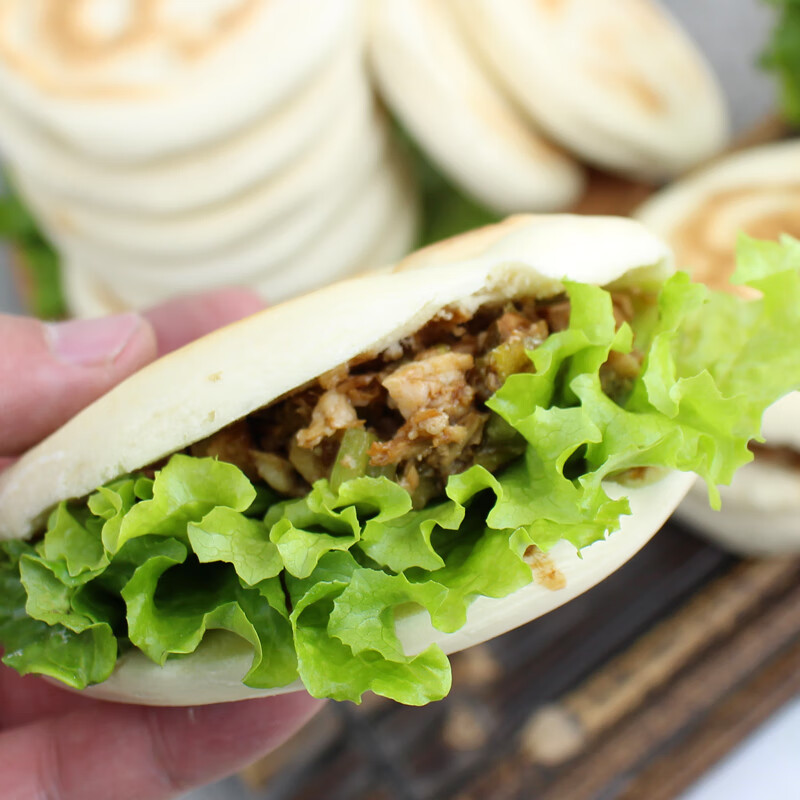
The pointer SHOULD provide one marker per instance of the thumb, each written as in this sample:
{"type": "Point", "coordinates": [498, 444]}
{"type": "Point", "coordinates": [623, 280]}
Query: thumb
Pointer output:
{"type": "Point", "coordinates": [49, 372]}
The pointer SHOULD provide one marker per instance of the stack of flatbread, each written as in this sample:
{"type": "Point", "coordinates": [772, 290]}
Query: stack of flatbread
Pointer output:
{"type": "Point", "coordinates": [507, 96]}
{"type": "Point", "coordinates": [169, 146]}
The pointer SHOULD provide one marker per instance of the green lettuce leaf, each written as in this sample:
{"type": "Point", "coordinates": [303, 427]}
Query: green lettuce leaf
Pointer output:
{"type": "Point", "coordinates": [171, 604]}
{"type": "Point", "coordinates": [184, 491]}
{"type": "Point", "coordinates": [31, 646]}
{"type": "Point", "coordinates": [226, 535]}
{"type": "Point", "coordinates": [315, 585]}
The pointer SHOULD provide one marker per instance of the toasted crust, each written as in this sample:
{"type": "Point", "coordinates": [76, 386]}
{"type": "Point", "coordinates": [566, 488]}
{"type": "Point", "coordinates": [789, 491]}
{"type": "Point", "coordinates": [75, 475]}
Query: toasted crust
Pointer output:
{"type": "Point", "coordinates": [756, 191]}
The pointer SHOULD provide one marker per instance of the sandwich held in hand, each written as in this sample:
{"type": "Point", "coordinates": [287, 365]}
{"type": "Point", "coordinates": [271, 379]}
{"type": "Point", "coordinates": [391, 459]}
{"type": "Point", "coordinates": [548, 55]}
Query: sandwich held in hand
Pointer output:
{"type": "Point", "coordinates": [754, 191]}
{"type": "Point", "coordinates": [335, 493]}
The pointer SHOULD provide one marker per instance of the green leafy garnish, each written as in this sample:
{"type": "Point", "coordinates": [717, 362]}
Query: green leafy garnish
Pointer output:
{"type": "Point", "coordinates": [782, 56]}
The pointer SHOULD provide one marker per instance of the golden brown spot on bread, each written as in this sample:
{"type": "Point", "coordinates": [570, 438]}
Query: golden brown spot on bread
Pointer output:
{"type": "Point", "coordinates": [553, 7]}
{"type": "Point", "coordinates": [773, 227]}
{"type": "Point", "coordinates": [624, 79]}
{"type": "Point", "coordinates": [544, 570]}
{"type": "Point", "coordinates": [646, 15]}
{"type": "Point", "coordinates": [706, 246]}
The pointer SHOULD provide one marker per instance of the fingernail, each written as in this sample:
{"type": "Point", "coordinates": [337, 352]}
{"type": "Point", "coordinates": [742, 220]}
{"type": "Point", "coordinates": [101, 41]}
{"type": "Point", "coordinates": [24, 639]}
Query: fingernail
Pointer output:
{"type": "Point", "coordinates": [91, 342]}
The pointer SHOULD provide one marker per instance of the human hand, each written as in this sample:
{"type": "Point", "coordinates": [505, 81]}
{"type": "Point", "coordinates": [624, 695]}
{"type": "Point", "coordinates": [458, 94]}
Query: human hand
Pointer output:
{"type": "Point", "coordinates": [61, 746]}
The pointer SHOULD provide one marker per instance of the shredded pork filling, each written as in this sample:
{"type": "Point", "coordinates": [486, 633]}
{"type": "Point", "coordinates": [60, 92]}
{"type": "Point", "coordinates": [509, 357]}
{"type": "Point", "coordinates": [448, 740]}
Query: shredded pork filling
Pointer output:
{"type": "Point", "coordinates": [415, 412]}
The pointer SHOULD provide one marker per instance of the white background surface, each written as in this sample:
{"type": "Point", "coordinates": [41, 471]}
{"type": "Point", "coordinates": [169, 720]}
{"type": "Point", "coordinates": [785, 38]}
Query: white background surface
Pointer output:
{"type": "Point", "coordinates": [766, 767]}
{"type": "Point", "coordinates": [732, 33]}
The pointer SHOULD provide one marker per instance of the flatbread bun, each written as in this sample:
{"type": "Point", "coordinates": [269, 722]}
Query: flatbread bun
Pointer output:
{"type": "Point", "coordinates": [205, 175]}
{"type": "Point", "coordinates": [323, 243]}
{"type": "Point", "coordinates": [222, 377]}
{"type": "Point", "coordinates": [437, 88]}
{"type": "Point", "coordinates": [614, 81]}
{"type": "Point", "coordinates": [237, 245]}
{"type": "Point", "coordinates": [760, 513]}
{"type": "Point", "coordinates": [757, 192]}
{"type": "Point", "coordinates": [130, 82]}
{"type": "Point", "coordinates": [352, 147]}
{"type": "Point", "coordinates": [194, 392]}
{"type": "Point", "coordinates": [341, 253]}
{"type": "Point", "coordinates": [380, 227]}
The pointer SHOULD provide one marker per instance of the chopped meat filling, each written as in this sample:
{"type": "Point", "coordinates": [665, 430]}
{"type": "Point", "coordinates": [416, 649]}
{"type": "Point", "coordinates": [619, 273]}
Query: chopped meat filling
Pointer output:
{"type": "Point", "coordinates": [333, 412]}
{"type": "Point", "coordinates": [434, 380]}
{"type": "Point", "coordinates": [233, 444]}
{"type": "Point", "coordinates": [414, 412]}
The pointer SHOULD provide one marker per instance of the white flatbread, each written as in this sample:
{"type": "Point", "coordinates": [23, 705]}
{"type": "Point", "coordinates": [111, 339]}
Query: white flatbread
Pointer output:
{"type": "Point", "coordinates": [354, 147]}
{"type": "Point", "coordinates": [88, 296]}
{"type": "Point", "coordinates": [434, 84]}
{"type": "Point", "coordinates": [380, 226]}
{"type": "Point", "coordinates": [398, 237]}
{"type": "Point", "coordinates": [197, 178]}
{"type": "Point", "coordinates": [615, 81]}
{"type": "Point", "coordinates": [756, 191]}
{"type": "Point", "coordinates": [760, 513]}
{"type": "Point", "coordinates": [126, 81]}
{"type": "Point", "coordinates": [195, 391]}
{"type": "Point", "coordinates": [319, 244]}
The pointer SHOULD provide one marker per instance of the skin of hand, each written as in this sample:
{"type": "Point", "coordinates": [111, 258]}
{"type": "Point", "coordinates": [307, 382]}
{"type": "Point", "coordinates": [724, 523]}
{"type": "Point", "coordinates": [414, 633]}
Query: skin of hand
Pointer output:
{"type": "Point", "coordinates": [55, 745]}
